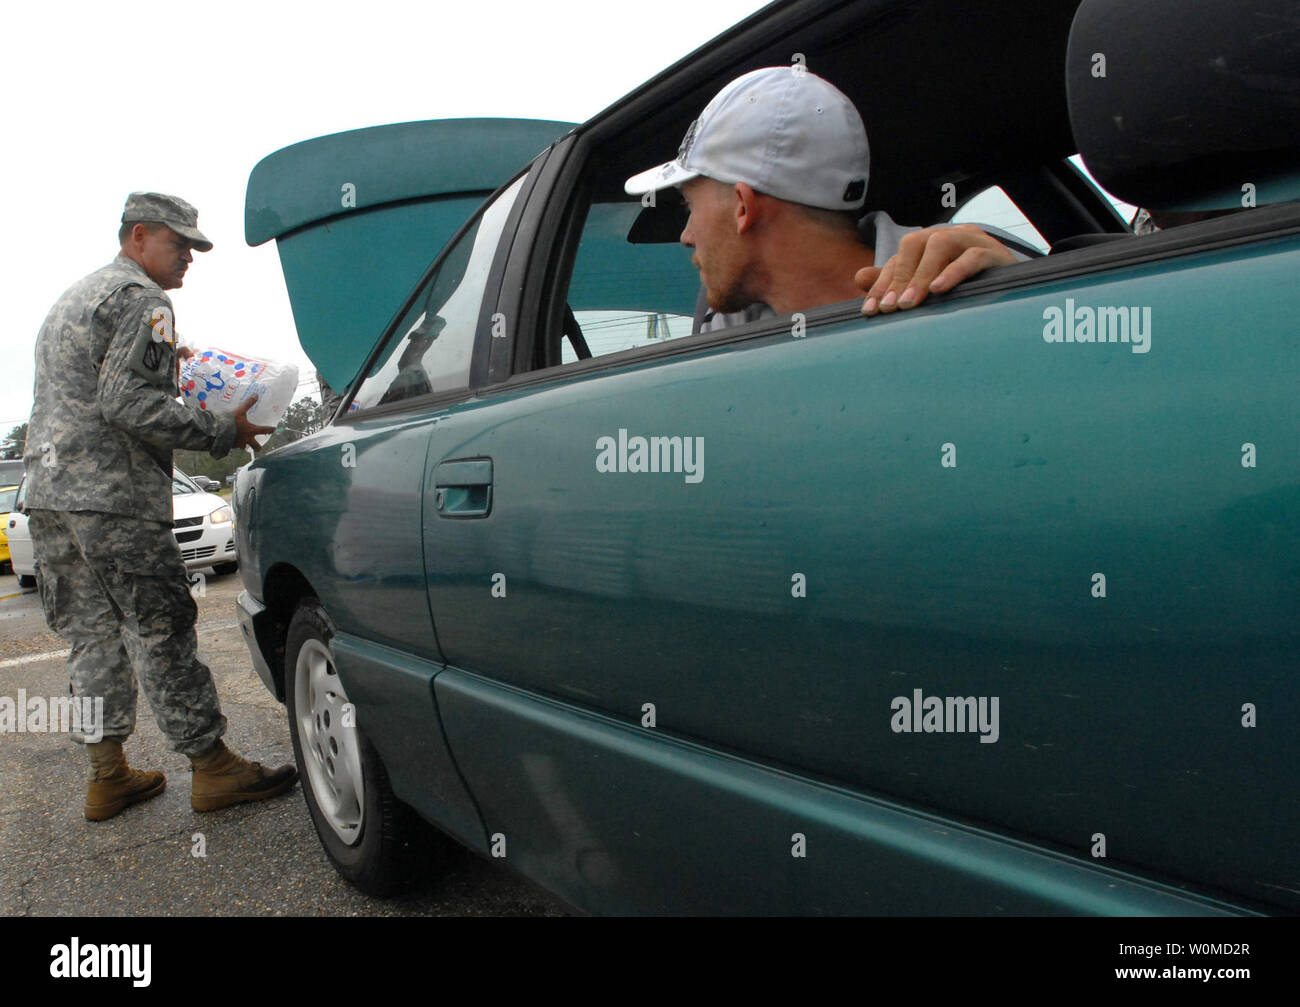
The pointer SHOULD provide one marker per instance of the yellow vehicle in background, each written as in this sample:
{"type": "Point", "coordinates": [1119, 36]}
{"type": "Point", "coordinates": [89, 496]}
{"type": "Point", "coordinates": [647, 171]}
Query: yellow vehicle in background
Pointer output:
{"type": "Point", "coordinates": [7, 495]}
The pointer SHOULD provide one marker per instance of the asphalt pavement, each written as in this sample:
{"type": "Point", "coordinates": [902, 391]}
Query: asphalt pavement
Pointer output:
{"type": "Point", "coordinates": [257, 860]}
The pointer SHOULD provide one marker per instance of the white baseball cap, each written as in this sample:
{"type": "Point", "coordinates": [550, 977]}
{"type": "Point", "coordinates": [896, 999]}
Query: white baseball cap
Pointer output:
{"type": "Point", "coordinates": [784, 131]}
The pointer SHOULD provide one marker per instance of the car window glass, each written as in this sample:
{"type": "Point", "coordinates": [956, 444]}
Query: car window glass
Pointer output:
{"type": "Point", "coordinates": [631, 289]}
{"type": "Point", "coordinates": [611, 331]}
{"type": "Point", "coordinates": [995, 208]}
{"type": "Point", "coordinates": [430, 349]}
{"type": "Point", "coordinates": [7, 499]}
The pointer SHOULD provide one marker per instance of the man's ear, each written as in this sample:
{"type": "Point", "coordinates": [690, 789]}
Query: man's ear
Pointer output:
{"type": "Point", "coordinates": [747, 208]}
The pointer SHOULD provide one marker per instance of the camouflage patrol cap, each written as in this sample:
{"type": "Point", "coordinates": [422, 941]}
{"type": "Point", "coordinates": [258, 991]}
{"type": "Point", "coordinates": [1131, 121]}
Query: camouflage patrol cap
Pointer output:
{"type": "Point", "coordinates": [177, 214]}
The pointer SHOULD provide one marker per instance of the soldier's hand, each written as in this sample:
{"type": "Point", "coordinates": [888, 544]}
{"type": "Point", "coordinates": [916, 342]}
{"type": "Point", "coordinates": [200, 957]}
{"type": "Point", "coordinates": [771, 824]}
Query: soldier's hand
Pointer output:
{"type": "Point", "coordinates": [183, 352]}
{"type": "Point", "coordinates": [245, 431]}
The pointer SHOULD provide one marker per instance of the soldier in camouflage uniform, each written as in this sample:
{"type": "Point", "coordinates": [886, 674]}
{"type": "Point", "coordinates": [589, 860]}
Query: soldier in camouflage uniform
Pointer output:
{"type": "Point", "coordinates": [99, 465]}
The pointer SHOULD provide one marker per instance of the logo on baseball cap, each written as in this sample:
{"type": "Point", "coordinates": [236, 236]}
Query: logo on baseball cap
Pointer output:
{"type": "Point", "coordinates": [784, 131]}
{"type": "Point", "coordinates": [180, 216]}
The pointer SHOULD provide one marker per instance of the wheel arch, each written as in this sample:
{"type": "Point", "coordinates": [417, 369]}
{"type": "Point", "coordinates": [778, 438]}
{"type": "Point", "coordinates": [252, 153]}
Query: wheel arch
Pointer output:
{"type": "Point", "coordinates": [284, 588]}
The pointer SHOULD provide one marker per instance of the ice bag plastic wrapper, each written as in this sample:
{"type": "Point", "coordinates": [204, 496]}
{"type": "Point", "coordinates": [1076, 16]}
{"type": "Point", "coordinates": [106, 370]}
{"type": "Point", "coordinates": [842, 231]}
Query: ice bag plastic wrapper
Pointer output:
{"type": "Point", "coordinates": [218, 381]}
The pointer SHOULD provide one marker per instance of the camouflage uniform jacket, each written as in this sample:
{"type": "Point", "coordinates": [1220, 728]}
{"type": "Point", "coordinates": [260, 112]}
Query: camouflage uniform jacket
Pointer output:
{"type": "Point", "coordinates": [106, 418]}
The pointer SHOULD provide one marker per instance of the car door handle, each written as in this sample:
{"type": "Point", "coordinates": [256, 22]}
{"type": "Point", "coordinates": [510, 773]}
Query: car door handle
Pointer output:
{"type": "Point", "coordinates": [463, 488]}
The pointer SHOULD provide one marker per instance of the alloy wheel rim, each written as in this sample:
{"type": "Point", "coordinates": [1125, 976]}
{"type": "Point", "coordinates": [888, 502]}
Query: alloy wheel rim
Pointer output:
{"type": "Point", "coordinates": [330, 746]}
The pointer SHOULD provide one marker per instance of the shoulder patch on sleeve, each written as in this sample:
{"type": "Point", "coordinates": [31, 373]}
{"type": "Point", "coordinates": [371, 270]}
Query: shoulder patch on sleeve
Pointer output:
{"type": "Point", "coordinates": [160, 321]}
{"type": "Point", "coordinates": [152, 346]}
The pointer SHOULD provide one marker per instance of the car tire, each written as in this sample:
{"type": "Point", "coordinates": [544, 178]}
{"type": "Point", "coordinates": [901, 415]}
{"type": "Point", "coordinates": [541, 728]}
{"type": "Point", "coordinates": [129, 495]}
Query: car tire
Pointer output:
{"type": "Point", "coordinates": [363, 827]}
{"type": "Point", "coordinates": [225, 568]}
{"type": "Point", "coordinates": [26, 581]}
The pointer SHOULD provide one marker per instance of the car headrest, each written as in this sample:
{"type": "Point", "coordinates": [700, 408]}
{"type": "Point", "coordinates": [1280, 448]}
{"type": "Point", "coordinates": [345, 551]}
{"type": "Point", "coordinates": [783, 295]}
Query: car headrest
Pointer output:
{"type": "Point", "coordinates": [1181, 105]}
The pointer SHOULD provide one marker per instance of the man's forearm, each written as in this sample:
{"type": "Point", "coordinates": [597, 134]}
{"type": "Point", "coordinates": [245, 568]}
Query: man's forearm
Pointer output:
{"type": "Point", "coordinates": [148, 415]}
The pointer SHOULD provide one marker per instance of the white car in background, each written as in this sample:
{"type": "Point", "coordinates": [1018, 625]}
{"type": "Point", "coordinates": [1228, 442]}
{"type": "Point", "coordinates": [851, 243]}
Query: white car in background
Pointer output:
{"type": "Point", "coordinates": [203, 523]}
{"type": "Point", "coordinates": [204, 526]}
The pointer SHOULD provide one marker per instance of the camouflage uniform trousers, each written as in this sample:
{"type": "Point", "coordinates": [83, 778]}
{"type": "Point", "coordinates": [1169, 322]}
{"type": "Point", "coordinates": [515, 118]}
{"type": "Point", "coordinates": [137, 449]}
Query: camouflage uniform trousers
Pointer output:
{"type": "Point", "coordinates": [115, 588]}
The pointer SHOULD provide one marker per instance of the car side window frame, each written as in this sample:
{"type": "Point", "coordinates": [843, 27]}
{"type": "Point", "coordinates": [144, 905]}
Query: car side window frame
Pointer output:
{"type": "Point", "coordinates": [545, 248]}
{"type": "Point", "coordinates": [540, 270]}
{"type": "Point", "coordinates": [1040, 272]}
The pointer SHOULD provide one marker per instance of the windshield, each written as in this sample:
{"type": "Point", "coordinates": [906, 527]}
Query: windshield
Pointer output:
{"type": "Point", "coordinates": [7, 496]}
{"type": "Point", "coordinates": [181, 483]}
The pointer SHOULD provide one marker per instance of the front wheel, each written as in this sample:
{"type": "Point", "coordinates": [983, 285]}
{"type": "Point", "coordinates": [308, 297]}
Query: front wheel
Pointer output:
{"type": "Point", "coordinates": [361, 824]}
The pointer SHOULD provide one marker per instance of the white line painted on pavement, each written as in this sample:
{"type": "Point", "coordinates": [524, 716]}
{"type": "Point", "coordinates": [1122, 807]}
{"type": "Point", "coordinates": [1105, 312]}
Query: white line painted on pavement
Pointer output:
{"type": "Point", "coordinates": [13, 662]}
{"type": "Point", "coordinates": [32, 658]}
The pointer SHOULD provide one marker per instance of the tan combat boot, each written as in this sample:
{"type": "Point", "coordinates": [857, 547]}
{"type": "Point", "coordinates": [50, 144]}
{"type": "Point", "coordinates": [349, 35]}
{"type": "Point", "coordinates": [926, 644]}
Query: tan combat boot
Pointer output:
{"type": "Point", "coordinates": [114, 785]}
{"type": "Point", "coordinates": [222, 778]}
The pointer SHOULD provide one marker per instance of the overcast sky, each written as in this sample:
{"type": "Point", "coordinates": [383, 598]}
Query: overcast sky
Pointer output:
{"type": "Point", "coordinates": [104, 99]}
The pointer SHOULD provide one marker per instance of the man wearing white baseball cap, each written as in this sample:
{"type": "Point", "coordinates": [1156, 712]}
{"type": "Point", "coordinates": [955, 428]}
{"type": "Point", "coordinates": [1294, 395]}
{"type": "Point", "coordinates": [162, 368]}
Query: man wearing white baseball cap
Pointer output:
{"type": "Point", "coordinates": [774, 173]}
